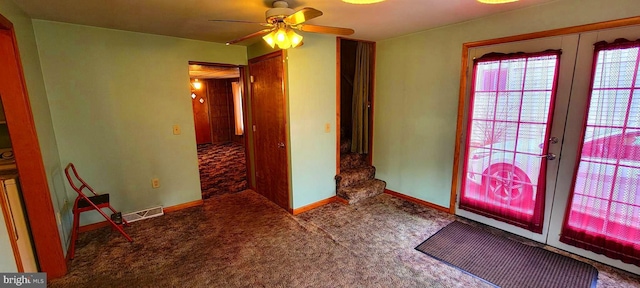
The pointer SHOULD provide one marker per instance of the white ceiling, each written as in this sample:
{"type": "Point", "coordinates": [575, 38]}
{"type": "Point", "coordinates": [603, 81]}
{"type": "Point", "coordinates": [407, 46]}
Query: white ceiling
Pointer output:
{"type": "Point", "coordinates": [189, 18]}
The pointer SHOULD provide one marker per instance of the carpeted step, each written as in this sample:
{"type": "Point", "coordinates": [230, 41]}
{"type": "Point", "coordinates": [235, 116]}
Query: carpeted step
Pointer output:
{"type": "Point", "coordinates": [352, 160]}
{"type": "Point", "coordinates": [350, 177]}
{"type": "Point", "coordinates": [345, 146]}
{"type": "Point", "coordinates": [362, 190]}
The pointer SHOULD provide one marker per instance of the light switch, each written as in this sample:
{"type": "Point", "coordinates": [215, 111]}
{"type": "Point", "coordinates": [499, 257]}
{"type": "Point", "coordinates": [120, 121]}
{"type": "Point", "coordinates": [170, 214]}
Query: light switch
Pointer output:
{"type": "Point", "coordinates": [327, 127]}
{"type": "Point", "coordinates": [176, 129]}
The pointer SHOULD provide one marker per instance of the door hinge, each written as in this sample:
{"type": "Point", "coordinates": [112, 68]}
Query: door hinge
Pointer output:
{"type": "Point", "coordinates": [251, 79]}
{"type": "Point", "coordinates": [254, 128]}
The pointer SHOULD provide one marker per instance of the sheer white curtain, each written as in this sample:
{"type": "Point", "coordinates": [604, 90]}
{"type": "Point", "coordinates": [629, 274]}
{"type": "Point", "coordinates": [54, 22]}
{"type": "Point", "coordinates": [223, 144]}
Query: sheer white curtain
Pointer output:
{"type": "Point", "coordinates": [237, 107]}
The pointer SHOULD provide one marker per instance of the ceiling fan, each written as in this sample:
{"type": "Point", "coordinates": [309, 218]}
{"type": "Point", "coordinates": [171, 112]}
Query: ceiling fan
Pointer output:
{"type": "Point", "coordinates": [282, 20]}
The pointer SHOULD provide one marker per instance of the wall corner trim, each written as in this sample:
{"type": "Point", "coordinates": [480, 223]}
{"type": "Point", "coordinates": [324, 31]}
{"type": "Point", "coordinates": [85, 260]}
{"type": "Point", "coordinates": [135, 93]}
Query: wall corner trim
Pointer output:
{"type": "Point", "coordinates": [183, 206]}
{"type": "Point", "coordinates": [417, 201]}
{"type": "Point", "coordinates": [314, 205]}
{"type": "Point", "coordinates": [169, 209]}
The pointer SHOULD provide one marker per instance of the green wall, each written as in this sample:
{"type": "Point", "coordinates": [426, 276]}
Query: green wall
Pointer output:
{"type": "Point", "coordinates": [259, 48]}
{"type": "Point", "coordinates": [114, 97]}
{"type": "Point", "coordinates": [41, 112]}
{"type": "Point", "coordinates": [417, 86]}
{"type": "Point", "coordinates": [312, 104]}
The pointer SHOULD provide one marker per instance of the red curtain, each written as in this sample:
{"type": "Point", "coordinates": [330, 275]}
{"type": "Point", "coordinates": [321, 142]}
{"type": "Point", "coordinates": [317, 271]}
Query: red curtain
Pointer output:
{"type": "Point", "coordinates": [508, 124]}
{"type": "Point", "coordinates": [603, 214]}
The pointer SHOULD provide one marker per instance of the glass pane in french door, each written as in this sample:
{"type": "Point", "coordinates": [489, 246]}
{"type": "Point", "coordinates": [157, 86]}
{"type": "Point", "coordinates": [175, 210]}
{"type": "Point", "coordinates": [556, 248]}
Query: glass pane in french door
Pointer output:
{"type": "Point", "coordinates": [508, 124]}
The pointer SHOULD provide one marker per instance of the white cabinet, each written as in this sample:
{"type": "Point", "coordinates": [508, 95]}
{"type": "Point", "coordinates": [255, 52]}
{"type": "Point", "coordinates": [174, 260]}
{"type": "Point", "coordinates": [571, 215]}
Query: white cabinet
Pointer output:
{"type": "Point", "coordinates": [15, 238]}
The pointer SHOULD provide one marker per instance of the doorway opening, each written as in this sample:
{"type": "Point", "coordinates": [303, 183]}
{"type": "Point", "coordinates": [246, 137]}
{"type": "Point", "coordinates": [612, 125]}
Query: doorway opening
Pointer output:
{"type": "Point", "coordinates": [355, 179]}
{"type": "Point", "coordinates": [219, 113]}
{"type": "Point", "coordinates": [355, 113]}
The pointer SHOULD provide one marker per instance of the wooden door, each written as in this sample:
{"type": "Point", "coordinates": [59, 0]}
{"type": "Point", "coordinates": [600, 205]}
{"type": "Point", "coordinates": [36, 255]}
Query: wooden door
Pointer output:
{"type": "Point", "coordinates": [201, 118]}
{"type": "Point", "coordinates": [269, 122]}
{"type": "Point", "coordinates": [218, 91]}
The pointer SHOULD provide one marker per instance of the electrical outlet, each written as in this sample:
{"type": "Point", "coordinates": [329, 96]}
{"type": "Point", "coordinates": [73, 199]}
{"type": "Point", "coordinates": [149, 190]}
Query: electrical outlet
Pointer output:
{"type": "Point", "coordinates": [176, 129]}
{"type": "Point", "coordinates": [155, 183]}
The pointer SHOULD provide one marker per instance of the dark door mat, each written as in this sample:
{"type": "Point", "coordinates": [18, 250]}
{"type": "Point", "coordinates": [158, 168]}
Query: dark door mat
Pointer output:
{"type": "Point", "coordinates": [504, 262]}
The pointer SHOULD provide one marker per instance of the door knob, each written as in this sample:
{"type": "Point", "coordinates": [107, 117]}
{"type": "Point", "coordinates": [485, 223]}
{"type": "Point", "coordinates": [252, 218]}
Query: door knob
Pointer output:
{"type": "Point", "coordinates": [549, 156]}
{"type": "Point", "coordinates": [280, 145]}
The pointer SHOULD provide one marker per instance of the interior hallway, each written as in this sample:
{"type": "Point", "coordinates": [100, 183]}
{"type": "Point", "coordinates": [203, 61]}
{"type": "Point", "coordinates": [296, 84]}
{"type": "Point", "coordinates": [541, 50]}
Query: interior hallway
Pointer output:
{"type": "Point", "coordinates": [222, 168]}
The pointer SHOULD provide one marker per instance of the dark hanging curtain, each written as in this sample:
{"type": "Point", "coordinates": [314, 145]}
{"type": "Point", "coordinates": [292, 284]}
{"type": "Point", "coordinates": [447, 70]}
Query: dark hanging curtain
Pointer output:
{"type": "Point", "coordinates": [360, 106]}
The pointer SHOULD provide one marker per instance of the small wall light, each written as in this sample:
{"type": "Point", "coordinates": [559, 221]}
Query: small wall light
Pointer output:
{"type": "Point", "coordinates": [197, 84]}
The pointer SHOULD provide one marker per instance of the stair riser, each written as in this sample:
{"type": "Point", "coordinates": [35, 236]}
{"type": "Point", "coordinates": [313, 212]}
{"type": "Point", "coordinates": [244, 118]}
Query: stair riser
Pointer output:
{"type": "Point", "coordinates": [353, 195]}
{"type": "Point", "coordinates": [350, 177]}
{"type": "Point", "coordinates": [345, 147]}
{"type": "Point", "coordinates": [350, 161]}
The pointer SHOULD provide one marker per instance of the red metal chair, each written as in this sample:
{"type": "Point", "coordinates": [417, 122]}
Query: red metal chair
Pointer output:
{"type": "Point", "coordinates": [85, 203]}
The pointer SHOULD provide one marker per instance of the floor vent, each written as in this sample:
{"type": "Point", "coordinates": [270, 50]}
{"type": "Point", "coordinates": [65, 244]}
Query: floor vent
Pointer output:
{"type": "Point", "coordinates": [143, 214]}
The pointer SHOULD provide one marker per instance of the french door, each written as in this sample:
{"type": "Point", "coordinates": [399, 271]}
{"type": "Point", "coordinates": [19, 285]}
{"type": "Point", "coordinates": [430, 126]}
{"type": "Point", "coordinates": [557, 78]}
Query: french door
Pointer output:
{"type": "Point", "coordinates": [583, 150]}
{"type": "Point", "coordinates": [507, 180]}
{"type": "Point", "coordinates": [509, 120]}
{"type": "Point", "coordinates": [579, 137]}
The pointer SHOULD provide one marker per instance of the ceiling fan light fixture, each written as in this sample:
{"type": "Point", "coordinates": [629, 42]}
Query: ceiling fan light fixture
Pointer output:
{"type": "Point", "coordinates": [284, 37]}
{"type": "Point", "coordinates": [281, 35]}
{"type": "Point", "coordinates": [362, 2]}
{"type": "Point", "coordinates": [281, 20]}
{"type": "Point", "coordinates": [294, 38]}
{"type": "Point", "coordinates": [284, 44]}
{"type": "Point", "coordinates": [496, 1]}
{"type": "Point", "coordinates": [270, 39]}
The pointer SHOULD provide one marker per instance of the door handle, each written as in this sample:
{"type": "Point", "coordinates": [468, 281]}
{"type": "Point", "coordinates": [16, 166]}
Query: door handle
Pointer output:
{"type": "Point", "coordinates": [280, 145]}
{"type": "Point", "coordinates": [549, 156]}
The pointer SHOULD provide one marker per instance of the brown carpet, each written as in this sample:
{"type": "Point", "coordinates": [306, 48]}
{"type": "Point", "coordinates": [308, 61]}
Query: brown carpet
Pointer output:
{"type": "Point", "coordinates": [243, 240]}
{"type": "Point", "coordinates": [222, 168]}
{"type": "Point", "coordinates": [505, 262]}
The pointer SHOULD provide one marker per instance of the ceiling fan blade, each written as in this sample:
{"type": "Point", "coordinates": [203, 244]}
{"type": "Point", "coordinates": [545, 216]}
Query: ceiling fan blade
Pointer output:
{"type": "Point", "coordinates": [235, 21]}
{"type": "Point", "coordinates": [325, 29]}
{"type": "Point", "coordinates": [259, 33]}
{"type": "Point", "coordinates": [302, 15]}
